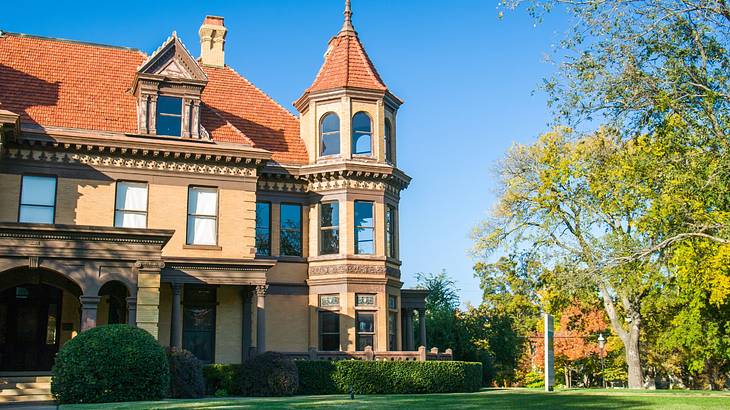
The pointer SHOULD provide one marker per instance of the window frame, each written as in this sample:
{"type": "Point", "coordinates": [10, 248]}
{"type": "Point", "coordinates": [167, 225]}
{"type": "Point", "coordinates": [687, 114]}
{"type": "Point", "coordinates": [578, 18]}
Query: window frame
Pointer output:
{"type": "Point", "coordinates": [217, 216]}
{"type": "Point", "coordinates": [354, 134]}
{"type": "Point", "coordinates": [55, 195]}
{"type": "Point", "coordinates": [372, 334]}
{"type": "Point", "coordinates": [256, 229]}
{"type": "Point", "coordinates": [116, 202]}
{"type": "Point", "coordinates": [391, 224]}
{"type": "Point", "coordinates": [321, 333]}
{"type": "Point", "coordinates": [322, 228]}
{"type": "Point", "coordinates": [393, 330]}
{"type": "Point", "coordinates": [197, 304]}
{"type": "Point", "coordinates": [322, 134]}
{"type": "Point", "coordinates": [356, 241]}
{"type": "Point", "coordinates": [388, 140]}
{"type": "Point", "coordinates": [301, 229]}
{"type": "Point", "coordinates": [160, 114]}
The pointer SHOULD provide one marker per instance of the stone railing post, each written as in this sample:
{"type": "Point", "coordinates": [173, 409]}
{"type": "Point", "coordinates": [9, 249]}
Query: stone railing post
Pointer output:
{"type": "Point", "coordinates": [148, 295]}
{"type": "Point", "coordinates": [449, 354]}
{"type": "Point", "coordinates": [312, 353]}
{"type": "Point", "coordinates": [369, 354]}
{"type": "Point", "coordinates": [421, 353]}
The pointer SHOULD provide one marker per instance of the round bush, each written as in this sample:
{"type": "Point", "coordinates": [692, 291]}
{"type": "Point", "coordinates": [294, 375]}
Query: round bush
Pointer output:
{"type": "Point", "coordinates": [186, 374]}
{"type": "Point", "coordinates": [109, 364]}
{"type": "Point", "coordinates": [269, 374]}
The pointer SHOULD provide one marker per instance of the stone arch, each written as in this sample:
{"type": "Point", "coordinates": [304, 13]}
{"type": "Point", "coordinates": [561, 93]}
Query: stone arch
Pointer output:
{"type": "Point", "coordinates": [113, 303]}
{"type": "Point", "coordinates": [26, 275]}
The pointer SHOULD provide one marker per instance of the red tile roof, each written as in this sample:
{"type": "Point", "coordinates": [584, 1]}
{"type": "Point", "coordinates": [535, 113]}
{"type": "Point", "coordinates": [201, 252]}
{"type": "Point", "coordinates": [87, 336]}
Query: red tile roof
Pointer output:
{"type": "Point", "coordinates": [347, 65]}
{"type": "Point", "coordinates": [51, 82]}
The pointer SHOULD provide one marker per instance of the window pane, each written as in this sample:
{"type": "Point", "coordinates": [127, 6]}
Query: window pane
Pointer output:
{"type": "Point", "coordinates": [263, 234]}
{"type": "Point", "coordinates": [203, 201]}
{"type": "Point", "coordinates": [361, 144]}
{"type": "Point", "coordinates": [363, 341]}
{"type": "Point", "coordinates": [130, 219]}
{"type": "Point", "coordinates": [361, 123]}
{"type": "Point", "coordinates": [330, 242]}
{"type": "Point", "coordinates": [132, 196]}
{"type": "Point", "coordinates": [36, 214]}
{"type": "Point", "coordinates": [38, 190]}
{"type": "Point", "coordinates": [291, 230]}
{"type": "Point", "coordinates": [169, 105]}
{"type": "Point", "coordinates": [330, 214]}
{"type": "Point", "coordinates": [363, 213]}
{"type": "Point", "coordinates": [330, 144]}
{"type": "Point", "coordinates": [329, 322]}
{"type": "Point", "coordinates": [364, 241]}
{"type": "Point", "coordinates": [365, 322]}
{"type": "Point", "coordinates": [263, 215]}
{"type": "Point", "coordinates": [167, 125]}
{"type": "Point", "coordinates": [361, 134]}
{"type": "Point", "coordinates": [201, 230]}
{"type": "Point", "coordinates": [330, 343]}
{"type": "Point", "coordinates": [392, 324]}
{"type": "Point", "coordinates": [331, 123]}
{"type": "Point", "coordinates": [390, 231]}
{"type": "Point", "coordinates": [388, 142]}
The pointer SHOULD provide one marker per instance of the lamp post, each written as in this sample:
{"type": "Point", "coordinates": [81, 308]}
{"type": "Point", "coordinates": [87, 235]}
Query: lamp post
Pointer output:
{"type": "Point", "coordinates": [601, 345]}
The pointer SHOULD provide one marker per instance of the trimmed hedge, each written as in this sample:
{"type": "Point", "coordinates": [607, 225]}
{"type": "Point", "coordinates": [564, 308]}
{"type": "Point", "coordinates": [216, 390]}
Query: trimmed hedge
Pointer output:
{"type": "Point", "coordinates": [186, 374]}
{"type": "Point", "coordinates": [316, 377]}
{"type": "Point", "coordinates": [374, 377]}
{"type": "Point", "coordinates": [269, 374]}
{"type": "Point", "coordinates": [110, 364]}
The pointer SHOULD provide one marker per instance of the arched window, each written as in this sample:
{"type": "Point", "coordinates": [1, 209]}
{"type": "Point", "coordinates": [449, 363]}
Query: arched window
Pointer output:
{"type": "Point", "coordinates": [362, 134]}
{"type": "Point", "coordinates": [329, 135]}
{"type": "Point", "coordinates": [388, 141]}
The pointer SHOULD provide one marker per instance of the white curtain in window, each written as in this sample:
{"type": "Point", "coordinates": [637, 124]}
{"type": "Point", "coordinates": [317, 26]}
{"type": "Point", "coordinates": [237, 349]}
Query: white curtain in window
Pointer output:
{"type": "Point", "coordinates": [202, 213]}
{"type": "Point", "coordinates": [131, 205]}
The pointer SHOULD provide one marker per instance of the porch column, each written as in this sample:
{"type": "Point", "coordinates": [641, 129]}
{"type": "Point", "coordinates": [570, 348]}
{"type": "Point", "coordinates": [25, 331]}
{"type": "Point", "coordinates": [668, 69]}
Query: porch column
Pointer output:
{"type": "Point", "coordinates": [261, 318]}
{"type": "Point", "coordinates": [422, 326]}
{"type": "Point", "coordinates": [132, 311]}
{"type": "Point", "coordinates": [148, 295]}
{"type": "Point", "coordinates": [88, 311]}
{"type": "Point", "coordinates": [176, 319]}
{"type": "Point", "coordinates": [410, 345]}
{"type": "Point", "coordinates": [246, 325]}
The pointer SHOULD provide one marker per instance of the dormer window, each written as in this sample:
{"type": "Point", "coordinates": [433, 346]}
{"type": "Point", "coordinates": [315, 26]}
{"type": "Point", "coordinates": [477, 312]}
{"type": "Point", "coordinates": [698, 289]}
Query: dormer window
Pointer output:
{"type": "Point", "coordinates": [169, 116]}
{"type": "Point", "coordinates": [362, 134]}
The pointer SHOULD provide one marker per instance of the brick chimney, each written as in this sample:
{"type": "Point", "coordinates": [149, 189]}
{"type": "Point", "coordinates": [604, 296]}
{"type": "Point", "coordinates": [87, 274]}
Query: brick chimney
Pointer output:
{"type": "Point", "coordinates": [212, 41]}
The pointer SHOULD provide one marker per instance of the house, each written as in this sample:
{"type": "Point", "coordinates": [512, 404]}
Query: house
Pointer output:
{"type": "Point", "coordinates": [170, 193]}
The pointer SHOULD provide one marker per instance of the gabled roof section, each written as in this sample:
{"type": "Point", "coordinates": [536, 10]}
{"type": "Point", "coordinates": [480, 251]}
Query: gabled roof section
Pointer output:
{"type": "Point", "coordinates": [172, 60]}
{"type": "Point", "coordinates": [346, 64]}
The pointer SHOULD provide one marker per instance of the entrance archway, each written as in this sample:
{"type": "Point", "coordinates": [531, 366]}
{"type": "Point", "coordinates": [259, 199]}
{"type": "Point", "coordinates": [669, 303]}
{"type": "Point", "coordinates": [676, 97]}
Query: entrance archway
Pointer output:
{"type": "Point", "coordinates": [38, 312]}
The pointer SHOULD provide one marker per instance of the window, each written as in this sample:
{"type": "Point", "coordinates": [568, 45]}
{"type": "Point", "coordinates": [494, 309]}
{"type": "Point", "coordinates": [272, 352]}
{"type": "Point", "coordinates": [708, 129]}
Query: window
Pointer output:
{"type": "Point", "coordinates": [291, 230]}
{"type": "Point", "coordinates": [365, 322]}
{"type": "Point", "coordinates": [202, 216]}
{"type": "Point", "coordinates": [364, 227]}
{"type": "Point", "coordinates": [329, 228]}
{"type": "Point", "coordinates": [130, 210]}
{"type": "Point", "coordinates": [361, 134]}
{"type": "Point", "coordinates": [392, 329]}
{"type": "Point", "coordinates": [390, 231]}
{"type": "Point", "coordinates": [329, 331]}
{"type": "Point", "coordinates": [199, 321]}
{"type": "Point", "coordinates": [37, 199]}
{"type": "Point", "coordinates": [388, 141]}
{"type": "Point", "coordinates": [263, 228]}
{"type": "Point", "coordinates": [329, 135]}
{"type": "Point", "coordinates": [169, 116]}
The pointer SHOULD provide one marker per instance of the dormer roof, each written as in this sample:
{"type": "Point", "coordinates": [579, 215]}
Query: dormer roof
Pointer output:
{"type": "Point", "coordinates": [172, 61]}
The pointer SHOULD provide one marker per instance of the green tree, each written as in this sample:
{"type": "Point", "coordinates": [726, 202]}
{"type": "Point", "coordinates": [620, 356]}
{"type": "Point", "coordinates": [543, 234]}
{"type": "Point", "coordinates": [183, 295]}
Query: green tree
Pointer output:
{"type": "Point", "coordinates": [441, 304]}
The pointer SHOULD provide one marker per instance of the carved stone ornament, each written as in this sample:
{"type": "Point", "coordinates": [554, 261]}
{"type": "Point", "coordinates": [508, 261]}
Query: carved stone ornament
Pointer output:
{"type": "Point", "coordinates": [149, 265]}
{"type": "Point", "coordinates": [345, 269]}
{"type": "Point", "coordinates": [261, 290]}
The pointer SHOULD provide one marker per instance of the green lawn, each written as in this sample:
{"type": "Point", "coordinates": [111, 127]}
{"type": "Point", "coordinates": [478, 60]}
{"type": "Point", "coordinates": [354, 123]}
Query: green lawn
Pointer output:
{"type": "Point", "coordinates": [488, 398]}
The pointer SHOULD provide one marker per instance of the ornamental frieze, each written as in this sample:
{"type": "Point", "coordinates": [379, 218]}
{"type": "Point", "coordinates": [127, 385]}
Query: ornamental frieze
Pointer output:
{"type": "Point", "coordinates": [357, 269]}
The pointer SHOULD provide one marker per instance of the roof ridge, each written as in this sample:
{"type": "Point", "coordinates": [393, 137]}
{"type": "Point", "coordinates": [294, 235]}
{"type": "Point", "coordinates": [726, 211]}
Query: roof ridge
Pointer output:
{"type": "Point", "coordinates": [261, 91]}
{"type": "Point", "coordinates": [65, 40]}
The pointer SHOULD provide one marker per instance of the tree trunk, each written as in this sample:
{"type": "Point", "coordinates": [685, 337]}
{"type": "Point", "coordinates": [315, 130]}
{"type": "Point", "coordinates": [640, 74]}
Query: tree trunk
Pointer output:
{"type": "Point", "coordinates": [633, 360]}
{"type": "Point", "coordinates": [629, 338]}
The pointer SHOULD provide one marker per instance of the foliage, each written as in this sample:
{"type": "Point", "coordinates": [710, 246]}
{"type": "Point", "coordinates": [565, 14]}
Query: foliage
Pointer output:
{"type": "Point", "coordinates": [441, 303]}
{"type": "Point", "coordinates": [534, 380]}
{"type": "Point", "coordinates": [186, 374]}
{"type": "Point", "coordinates": [402, 377]}
{"type": "Point", "coordinates": [316, 377]}
{"type": "Point", "coordinates": [109, 364]}
{"type": "Point", "coordinates": [222, 379]}
{"type": "Point", "coordinates": [269, 374]}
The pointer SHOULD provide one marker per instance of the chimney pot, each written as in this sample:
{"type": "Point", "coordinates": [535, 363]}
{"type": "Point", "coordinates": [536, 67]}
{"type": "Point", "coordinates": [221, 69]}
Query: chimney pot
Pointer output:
{"type": "Point", "coordinates": [212, 41]}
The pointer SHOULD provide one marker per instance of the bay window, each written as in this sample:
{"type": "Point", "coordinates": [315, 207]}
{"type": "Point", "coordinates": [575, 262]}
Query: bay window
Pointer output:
{"type": "Point", "coordinates": [130, 210]}
{"type": "Point", "coordinates": [202, 216]}
{"type": "Point", "coordinates": [365, 330]}
{"type": "Point", "coordinates": [37, 199]}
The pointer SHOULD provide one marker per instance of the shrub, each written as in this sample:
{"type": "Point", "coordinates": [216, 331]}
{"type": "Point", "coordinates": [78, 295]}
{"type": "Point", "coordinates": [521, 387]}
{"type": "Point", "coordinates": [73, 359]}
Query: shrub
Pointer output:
{"type": "Point", "coordinates": [383, 377]}
{"type": "Point", "coordinates": [222, 379]}
{"type": "Point", "coordinates": [109, 364]}
{"type": "Point", "coordinates": [269, 374]}
{"type": "Point", "coordinates": [316, 377]}
{"type": "Point", "coordinates": [186, 374]}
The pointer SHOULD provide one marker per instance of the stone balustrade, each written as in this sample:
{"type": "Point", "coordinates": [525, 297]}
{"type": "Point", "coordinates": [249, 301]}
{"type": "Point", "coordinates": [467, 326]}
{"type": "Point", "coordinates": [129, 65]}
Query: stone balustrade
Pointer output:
{"type": "Point", "coordinates": [420, 355]}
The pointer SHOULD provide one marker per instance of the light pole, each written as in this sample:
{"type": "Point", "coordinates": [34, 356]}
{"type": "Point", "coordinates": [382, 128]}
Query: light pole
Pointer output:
{"type": "Point", "coordinates": [601, 345]}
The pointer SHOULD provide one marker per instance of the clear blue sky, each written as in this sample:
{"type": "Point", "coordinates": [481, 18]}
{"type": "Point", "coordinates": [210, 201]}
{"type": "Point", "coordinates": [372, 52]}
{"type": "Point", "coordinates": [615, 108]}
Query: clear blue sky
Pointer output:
{"type": "Point", "coordinates": [467, 79]}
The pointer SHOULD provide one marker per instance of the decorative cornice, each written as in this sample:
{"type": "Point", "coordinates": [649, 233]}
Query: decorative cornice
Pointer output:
{"type": "Point", "coordinates": [334, 177]}
{"type": "Point", "coordinates": [84, 233]}
{"type": "Point", "coordinates": [353, 269]}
